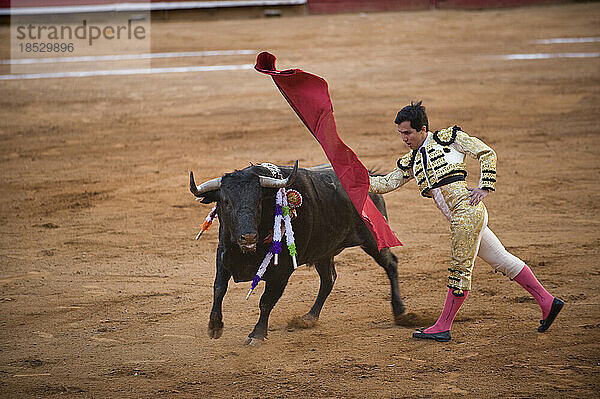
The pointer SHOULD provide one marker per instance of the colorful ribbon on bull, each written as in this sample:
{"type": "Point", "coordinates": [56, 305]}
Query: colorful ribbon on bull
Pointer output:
{"type": "Point", "coordinates": [282, 216]}
{"type": "Point", "coordinates": [207, 222]}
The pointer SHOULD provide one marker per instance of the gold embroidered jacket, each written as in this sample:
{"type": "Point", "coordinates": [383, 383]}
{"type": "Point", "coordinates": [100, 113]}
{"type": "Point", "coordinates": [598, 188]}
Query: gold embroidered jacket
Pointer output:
{"type": "Point", "coordinates": [439, 160]}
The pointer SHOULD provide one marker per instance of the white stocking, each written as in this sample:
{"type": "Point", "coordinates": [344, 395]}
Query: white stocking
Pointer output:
{"type": "Point", "coordinates": [493, 252]}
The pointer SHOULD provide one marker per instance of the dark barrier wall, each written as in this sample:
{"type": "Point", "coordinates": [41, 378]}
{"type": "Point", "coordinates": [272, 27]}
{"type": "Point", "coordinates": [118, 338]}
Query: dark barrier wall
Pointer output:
{"type": "Point", "coordinates": [492, 3]}
{"type": "Point", "coordinates": [333, 6]}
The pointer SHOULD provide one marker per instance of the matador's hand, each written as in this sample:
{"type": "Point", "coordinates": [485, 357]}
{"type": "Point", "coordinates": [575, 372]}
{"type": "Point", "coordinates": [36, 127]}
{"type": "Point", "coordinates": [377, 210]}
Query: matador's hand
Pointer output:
{"type": "Point", "coordinates": [476, 195]}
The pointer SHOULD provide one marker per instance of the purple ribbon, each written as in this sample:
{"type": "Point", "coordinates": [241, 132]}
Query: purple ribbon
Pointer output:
{"type": "Point", "coordinates": [255, 282]}
{"type": "Point", "coordinates": [275, 247]}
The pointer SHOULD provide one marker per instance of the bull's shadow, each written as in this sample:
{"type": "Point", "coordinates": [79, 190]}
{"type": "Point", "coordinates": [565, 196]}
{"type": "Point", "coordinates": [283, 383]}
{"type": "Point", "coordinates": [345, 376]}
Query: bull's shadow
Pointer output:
{"type": "Point", "coordinates": [326, 223]}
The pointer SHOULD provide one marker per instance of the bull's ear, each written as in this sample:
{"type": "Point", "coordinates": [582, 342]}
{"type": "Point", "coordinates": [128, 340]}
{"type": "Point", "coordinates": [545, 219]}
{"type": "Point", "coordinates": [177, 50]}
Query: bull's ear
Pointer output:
{"type": "Point", "coordinates": [210, 196]}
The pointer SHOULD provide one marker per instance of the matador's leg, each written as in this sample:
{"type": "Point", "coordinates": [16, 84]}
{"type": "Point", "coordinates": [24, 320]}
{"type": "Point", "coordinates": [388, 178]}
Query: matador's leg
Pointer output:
{"type": "Point", "coordinates": [466, 231]}
{"type": "Point", "coordinates": [494, 253]}
{"type": "Point", "coordinates": [466, 225]}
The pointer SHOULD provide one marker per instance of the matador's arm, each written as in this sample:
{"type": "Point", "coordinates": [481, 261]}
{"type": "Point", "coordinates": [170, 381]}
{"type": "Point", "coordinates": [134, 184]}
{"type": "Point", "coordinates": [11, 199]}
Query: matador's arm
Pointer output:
{"type": "Point", "coordinates": [483, 153]}
{"type": "Point", "coordinates": [389, 182]}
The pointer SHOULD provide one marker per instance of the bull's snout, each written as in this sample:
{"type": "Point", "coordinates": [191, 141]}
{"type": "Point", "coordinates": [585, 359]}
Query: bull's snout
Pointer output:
{"type": "Point", "coordinates": [247, 242]}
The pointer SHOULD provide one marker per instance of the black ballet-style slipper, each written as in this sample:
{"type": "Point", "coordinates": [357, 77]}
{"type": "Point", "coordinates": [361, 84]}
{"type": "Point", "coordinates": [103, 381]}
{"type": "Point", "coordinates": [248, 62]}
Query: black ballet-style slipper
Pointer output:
{"type": "Point", "coordinates": [443, 336]}
{"type": "Point", "coordinates": [557, 305]}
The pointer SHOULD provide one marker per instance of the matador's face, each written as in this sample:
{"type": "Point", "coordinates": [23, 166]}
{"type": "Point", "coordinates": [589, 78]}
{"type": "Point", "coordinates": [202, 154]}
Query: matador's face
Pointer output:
{"type": "Point", "coordinates": [412, 137]}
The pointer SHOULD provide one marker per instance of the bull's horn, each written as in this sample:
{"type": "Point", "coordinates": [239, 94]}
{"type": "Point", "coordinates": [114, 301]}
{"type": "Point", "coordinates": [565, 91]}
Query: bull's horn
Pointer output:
{"type": "Point", "coordinates": [205, 187]}
{"type": "Point", "coordinates": [270, 182]}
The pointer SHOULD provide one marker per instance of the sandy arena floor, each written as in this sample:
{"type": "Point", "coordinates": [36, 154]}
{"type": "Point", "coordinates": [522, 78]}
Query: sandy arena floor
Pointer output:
{"type": "Point", "coordinates": [105, 293]}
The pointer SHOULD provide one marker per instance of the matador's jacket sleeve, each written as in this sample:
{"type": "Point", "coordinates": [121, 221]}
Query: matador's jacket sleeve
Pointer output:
{"type": "Point", "coordinates": [476, 148]}
{"type": "Point", "coordinates": [396, 178]}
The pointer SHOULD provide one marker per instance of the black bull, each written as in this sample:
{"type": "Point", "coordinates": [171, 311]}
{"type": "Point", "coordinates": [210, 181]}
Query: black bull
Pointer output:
{"type": "Point", "coordinates": [326, 223]}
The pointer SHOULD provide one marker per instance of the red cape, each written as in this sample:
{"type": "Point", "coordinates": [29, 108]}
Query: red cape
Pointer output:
{"type": "Point", "coordinates": [308, 95]}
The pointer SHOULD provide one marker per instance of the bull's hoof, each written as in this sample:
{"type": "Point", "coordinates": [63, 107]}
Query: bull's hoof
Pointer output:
{"type": "Point", "coordinates": [306, 321]}
{"type": "Point", "coordinates": [215, 329]}
{"type": "Point", "coordinates": [398, 309]}
{"type": "Point", "coordinates": [250, 341]}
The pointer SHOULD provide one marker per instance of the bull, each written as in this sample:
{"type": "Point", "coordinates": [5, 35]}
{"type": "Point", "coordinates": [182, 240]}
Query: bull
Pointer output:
{"type": "Point", "coordinates": [326, 223]}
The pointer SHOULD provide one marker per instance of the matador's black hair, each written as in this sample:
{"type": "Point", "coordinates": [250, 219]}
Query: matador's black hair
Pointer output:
{"type": "Point", "coordinates": [415, 114]}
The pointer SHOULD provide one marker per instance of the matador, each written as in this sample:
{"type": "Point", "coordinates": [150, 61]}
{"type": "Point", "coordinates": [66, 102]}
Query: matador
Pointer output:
{"type": "Point", "coordinates": [437, 162]}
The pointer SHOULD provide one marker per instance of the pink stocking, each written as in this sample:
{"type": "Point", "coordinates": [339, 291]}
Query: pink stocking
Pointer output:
{"type": "Point", "coordinates": [444, 322]}
{"type": "Point", "coordinates": [528, 281]}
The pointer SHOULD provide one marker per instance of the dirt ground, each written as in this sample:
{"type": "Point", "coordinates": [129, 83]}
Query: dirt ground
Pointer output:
{"type": "Point", "coordinates": [105, 293]}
